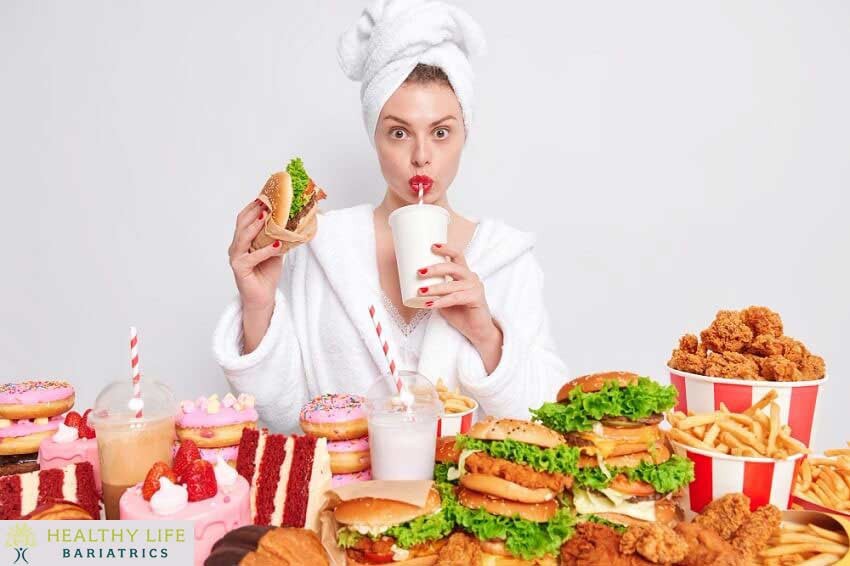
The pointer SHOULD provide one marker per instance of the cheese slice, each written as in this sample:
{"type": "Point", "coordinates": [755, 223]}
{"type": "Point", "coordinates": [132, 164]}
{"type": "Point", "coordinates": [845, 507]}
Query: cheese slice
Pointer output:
{"type": "Point", "coordinates": [611, 501]}
{"type": "Point", "coordinates": [461, 462]}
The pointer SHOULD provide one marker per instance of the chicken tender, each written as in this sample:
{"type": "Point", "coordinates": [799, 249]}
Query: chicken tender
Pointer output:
{"type": "Point", "coordinates": [481, 463]}
{"type": "Point", "coordinates": [460, 550]}
{"type": "Point", "coordinates": [685, 361]}
{"type": "Point", "coordinates": [597, 545]}
{"type": "Point", "coordinates": [762, 320]}
{"type": "Point", "coordinates": [780, 368]}
{"type": "Point", "coordinates": [656, 542]}
{"type": "Point", "coordinates": [725, 515]}
{"type": "Point", "coordinates": [706, 547]}
{"type": "Point", "coordinates": [813, 367]}
{"type": "Point", "coordinates": [753, 535]}
{"type": "Point", "coordinates": [727, 333]}
{"type": "Point", "coordinates": [731, 364]}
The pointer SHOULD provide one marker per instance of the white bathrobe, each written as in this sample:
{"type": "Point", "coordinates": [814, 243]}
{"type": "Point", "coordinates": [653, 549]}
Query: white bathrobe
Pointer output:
{"type": "Point", "coordinates": [321, 338]}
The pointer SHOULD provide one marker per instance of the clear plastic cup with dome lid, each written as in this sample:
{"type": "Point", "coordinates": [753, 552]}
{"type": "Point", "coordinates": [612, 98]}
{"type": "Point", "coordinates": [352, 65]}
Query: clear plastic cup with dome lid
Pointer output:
{"type": "Point", "coordinates": [403, 427]}
{"type": "Point", "coordinates": [129, 444]}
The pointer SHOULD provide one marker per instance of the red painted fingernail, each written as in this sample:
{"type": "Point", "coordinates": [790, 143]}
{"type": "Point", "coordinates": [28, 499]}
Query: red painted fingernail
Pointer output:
{"type": "Point", "coordinates": [423, 271]}
{"type": "Point", "coordinates": [261, 215]}
{"type": "Point", "coordinates": [429, 303]}
{"type": "Point", "coordinates": [423, 290]}
{"type": "Point", "coordinates": [438, 245]}
{"type": "Point", "coordinates": [276, 244]}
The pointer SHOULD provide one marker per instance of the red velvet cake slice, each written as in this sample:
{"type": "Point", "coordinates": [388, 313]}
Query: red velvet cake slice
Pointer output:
{"type": "Point", "coordinates": [20, 494]}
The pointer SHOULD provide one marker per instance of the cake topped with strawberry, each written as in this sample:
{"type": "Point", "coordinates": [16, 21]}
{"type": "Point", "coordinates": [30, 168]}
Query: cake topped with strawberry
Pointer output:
{"type": "Point", "coordinates": [215, 497]}
{"type": "Point", "coordinates": [73, 442]}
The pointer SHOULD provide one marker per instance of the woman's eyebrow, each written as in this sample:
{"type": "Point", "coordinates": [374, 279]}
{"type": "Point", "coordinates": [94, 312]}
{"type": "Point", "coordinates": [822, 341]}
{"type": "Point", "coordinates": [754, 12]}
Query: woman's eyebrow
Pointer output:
{"type": "Point", "coordinates": [449, 117]}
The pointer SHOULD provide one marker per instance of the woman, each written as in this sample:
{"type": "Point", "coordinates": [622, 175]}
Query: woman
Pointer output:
{"type": "Point", "coordinates": [486, 331]}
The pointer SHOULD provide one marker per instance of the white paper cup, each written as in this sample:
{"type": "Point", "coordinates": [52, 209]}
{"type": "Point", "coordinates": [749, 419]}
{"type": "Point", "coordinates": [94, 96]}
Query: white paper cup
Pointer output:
{"type": "Point", "coordinates": [763, 480]}
{"type": "Point", "coordinates": [416, 228]}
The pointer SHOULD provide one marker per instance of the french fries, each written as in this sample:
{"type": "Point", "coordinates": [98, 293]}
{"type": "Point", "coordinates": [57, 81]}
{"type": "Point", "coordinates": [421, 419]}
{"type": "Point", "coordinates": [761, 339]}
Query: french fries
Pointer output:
{"type": "Point", "coordinates": [749, 433]}
{"type": "Point", "coordinates": [453, 401]}
{"type": "Point", "coordinates": [804, 545]}
{"type": "Point", "coordinates": [826, 481]}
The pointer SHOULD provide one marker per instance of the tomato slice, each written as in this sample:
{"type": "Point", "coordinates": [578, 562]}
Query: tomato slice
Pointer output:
{"type": "Point", "coordinates": [378, 558]}
{"type": "Point", "coordinates": [622, 484]}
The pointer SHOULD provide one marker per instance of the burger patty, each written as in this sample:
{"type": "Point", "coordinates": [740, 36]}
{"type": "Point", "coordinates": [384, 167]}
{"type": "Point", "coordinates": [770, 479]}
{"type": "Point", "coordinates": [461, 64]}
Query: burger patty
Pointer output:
{"type": "Point", "coordinates": [526, 476]}
{"type": "Point", "coordinates": [576, 439]}
{"type": "Point", "coordinates": [315, 197]}
{"type": "Point", "coordinates": [624, 422]}
{"type": "Point", "coordinates": [638, 498]}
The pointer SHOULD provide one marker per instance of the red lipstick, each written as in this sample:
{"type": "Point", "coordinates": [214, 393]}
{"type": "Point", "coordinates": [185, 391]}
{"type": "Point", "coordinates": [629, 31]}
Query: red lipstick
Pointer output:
{"type": "Point", "coordinates": [424, 180]}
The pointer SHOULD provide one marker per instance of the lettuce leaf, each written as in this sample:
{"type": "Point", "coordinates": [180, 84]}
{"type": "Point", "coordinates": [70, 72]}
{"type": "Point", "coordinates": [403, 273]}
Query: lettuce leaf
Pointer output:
{"type": "Point", "coordinates": [602, 521]}
{"type": "Point", "coordinates": [441, 472]}
{"type": "Point", "coordinates": [422, 529]}
{"type": "Point", "coordinates": [665, 478]}
{"type": "Point", "coordinates": [582, 409]}
{"type": "Point", "coordinates": [346, 538]}
{"type": "Point", "coordinates": [526, 539]}
{"type": "Point", "coordinates": [560, 459]}
{"type": "Point", "coordinates": [300, 179]}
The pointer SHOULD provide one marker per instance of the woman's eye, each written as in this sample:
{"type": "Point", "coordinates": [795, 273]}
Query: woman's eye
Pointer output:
{"type": "Point", "coordinates": [441, 133]}
{"type": "Point", "coordinates": [398, 134]}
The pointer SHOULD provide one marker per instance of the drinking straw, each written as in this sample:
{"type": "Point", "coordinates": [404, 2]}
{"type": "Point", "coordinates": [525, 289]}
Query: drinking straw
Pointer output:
{"type": "Point", "coordinates": [385, 347]}
{"type": "Point", "coordinates": [137, 373]}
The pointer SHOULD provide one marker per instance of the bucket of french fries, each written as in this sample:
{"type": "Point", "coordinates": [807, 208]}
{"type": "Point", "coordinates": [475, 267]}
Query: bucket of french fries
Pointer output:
{"type": "Point", "coordinates": [806, 538]}
{"type": "Point", "coordinates": [823, 483]}
{"type": "Point", "coordinates": [797, 400]}
{"type": "Point", "coordinates": [750, 452]}
{"type": "Point", "coordinates": [458, 411]}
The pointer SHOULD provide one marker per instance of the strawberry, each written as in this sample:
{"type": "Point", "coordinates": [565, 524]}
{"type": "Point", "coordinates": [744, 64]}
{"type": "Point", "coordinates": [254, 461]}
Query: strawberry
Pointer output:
{"type": "Point", "coordinates": [199, 480]}
{"type": "Point", "coordinates": [186, 454]}
{"type": "Point", "coordinates": [73, 419]}
{"type": "Point", "coordinates": [151, 485]}
{"type": "Point", "coordinates": [85, 430]}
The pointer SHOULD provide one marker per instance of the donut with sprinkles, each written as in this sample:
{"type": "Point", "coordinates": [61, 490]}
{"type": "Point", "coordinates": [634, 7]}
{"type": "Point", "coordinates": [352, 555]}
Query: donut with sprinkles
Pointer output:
{"type": "Point", "coordinates": [35, 399]}
{"type": "Point", "coordinates": [335, 417]}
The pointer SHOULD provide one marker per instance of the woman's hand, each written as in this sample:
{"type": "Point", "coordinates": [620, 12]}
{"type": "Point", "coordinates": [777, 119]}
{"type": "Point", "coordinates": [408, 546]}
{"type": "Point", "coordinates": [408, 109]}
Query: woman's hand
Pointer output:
{"type": "Point", "coordinates": [256, 273]}
{"type": "Point", "coordinates": [463, 304]}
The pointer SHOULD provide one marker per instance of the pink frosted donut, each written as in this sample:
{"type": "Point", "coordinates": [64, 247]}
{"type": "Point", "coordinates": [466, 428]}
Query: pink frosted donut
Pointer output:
{"type": "Point", "coordinates": [35, 399]}
{"type": "Point", "coordinates": [349, 456]}
{"type": "Point", "coordinates": [24, 436]}
{"type": "Point", "coordinates": [213, 423]}
{"type": "Point", "coordinates": [335, 417]}
{"type": "Point", "coordinates": [341, 479]}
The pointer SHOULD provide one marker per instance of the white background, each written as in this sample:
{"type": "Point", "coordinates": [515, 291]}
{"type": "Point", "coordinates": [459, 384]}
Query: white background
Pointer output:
{"type": "Point", "coordinates": [673, 158]}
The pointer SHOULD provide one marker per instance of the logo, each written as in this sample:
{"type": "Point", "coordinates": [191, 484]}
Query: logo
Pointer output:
{"type": "Point", "coordinates": [20, 537]}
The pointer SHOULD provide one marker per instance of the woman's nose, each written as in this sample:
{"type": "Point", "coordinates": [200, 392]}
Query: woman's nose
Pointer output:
{"type": "Point", "coordinates": [421, 155]}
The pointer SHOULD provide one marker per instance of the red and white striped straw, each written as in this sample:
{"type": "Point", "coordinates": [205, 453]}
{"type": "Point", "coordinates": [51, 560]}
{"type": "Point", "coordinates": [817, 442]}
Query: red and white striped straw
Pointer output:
{"type": "Point", "coordinates": [134, 365]}
{"type": "Point", "coordinates": [385, 346]}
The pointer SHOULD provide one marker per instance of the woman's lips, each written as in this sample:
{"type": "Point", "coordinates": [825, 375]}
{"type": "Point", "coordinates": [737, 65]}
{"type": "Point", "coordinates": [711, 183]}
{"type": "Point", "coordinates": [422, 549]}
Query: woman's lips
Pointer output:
{"type": "Point", "coordinates": [417, 180]}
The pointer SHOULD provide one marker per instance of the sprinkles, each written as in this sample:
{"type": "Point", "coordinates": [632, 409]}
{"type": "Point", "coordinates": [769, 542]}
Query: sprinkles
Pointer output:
{"type": "Point", "coordinates": [342, 405]}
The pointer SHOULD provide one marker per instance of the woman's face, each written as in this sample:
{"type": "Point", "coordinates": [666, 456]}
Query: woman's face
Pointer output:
{"type": "Point", "coordinates": [419, 138]}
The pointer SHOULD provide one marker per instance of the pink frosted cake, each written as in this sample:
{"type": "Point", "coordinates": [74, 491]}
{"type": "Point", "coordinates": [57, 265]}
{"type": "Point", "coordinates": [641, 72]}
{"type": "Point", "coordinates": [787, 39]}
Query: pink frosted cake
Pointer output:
{"type": "Point", "coordinates": [215, 498]}
{"type": "Point", "coordinates": [73, 442]}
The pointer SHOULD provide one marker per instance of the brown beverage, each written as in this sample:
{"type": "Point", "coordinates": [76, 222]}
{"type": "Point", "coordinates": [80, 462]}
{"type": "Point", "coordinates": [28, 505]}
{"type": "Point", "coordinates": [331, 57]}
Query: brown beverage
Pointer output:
{"type": "Point", "coordinates": [128, 447]}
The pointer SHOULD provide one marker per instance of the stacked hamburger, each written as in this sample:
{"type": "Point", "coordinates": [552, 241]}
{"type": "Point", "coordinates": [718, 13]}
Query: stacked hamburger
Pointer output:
{"type": "Point", "coordinates": [512, 478]}
{"type": "Point", "coordinates": [626, 473]}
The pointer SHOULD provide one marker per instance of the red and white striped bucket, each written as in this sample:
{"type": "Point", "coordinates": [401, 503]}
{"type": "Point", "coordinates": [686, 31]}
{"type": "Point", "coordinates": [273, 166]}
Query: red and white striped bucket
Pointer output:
{"type": "Point", "coordinates": [797, 400]}
{"type": "Point", "coordinates": [812, 506]}
{"type": "Point", "coordinates": [763, 480]}
{"type": "Point", "coordinates": [452, 424]}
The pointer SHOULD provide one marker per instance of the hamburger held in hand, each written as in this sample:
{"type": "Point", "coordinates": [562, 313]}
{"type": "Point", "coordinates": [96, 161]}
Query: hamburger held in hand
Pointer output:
{"type": "Point", "coordinates": [626, 472]}
{"type": "Point", "coordinates": [382, 531]}
{"type": "Point", "coordinates": [511, 476]}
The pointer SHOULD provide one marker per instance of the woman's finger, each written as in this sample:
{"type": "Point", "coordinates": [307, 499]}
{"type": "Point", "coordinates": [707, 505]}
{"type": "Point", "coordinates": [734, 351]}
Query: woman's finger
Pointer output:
{"type": "Point", "coordinates": [248, 214]}
{"type": "Point", "coordinates": [455, 270]}
{"type": "Point", "coordinates": [243, 238]}
{"type": "Point", "coordinates": [467, 297]}
{"type": "Point", "coordinates": [442, 289]}
{"type": "Point", "coordinates": [455, 255]}
{"type": "Point", "coordinates": [248, 261]}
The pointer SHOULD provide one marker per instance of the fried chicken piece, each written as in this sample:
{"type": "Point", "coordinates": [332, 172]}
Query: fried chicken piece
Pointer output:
{"type": "Point", "coordinates": [727, 333]}
{"type": "Point", "coordinates": [813, 367]}
{"type": "Point", "coordinates": [685, 361]}
{"type": "Point", "coordinates": [656, 542]}
{"type": "Point", "coordinates": [753, 535]}
{"type": "Point", "coordinates": [780, 368]}
{"type": "Point", "coordinates": [527, 476]}
{"type": "Point", "coordinates": [689, 343]}
{"type": "Point", "coordinates": [762, 320]}
{"type": "Point", "coordinates": [725, 515]}
{"type": "Point", "coordinates": [597, 545]}
{"type": "Point", "coordinates": [460, 550]}
{"type": "Point", "coordinates": [765, 345]}
{"type": "Point", "coordinates": [706, 547]}
{"type": "Point", "coordinates": [793, 349]}
{"type": "Point", "coordinates": [731, 364]}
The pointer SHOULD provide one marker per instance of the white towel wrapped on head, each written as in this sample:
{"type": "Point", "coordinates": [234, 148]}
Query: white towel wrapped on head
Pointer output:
{"type": "Point", "coordinates": [392, 36]}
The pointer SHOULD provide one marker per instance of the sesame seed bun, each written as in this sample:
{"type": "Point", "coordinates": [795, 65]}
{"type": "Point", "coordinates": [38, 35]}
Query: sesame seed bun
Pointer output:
{"type": "Point", "coordinates": [536, 512]}
{"type": "Point", "coordinates": [447, 452]}
{"type": "Point", "coordinates": [521, 431]}
{"type": "Point", "coordinates": [375, 512]}
{"type": "Point", "coordinates": [595, 381]}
